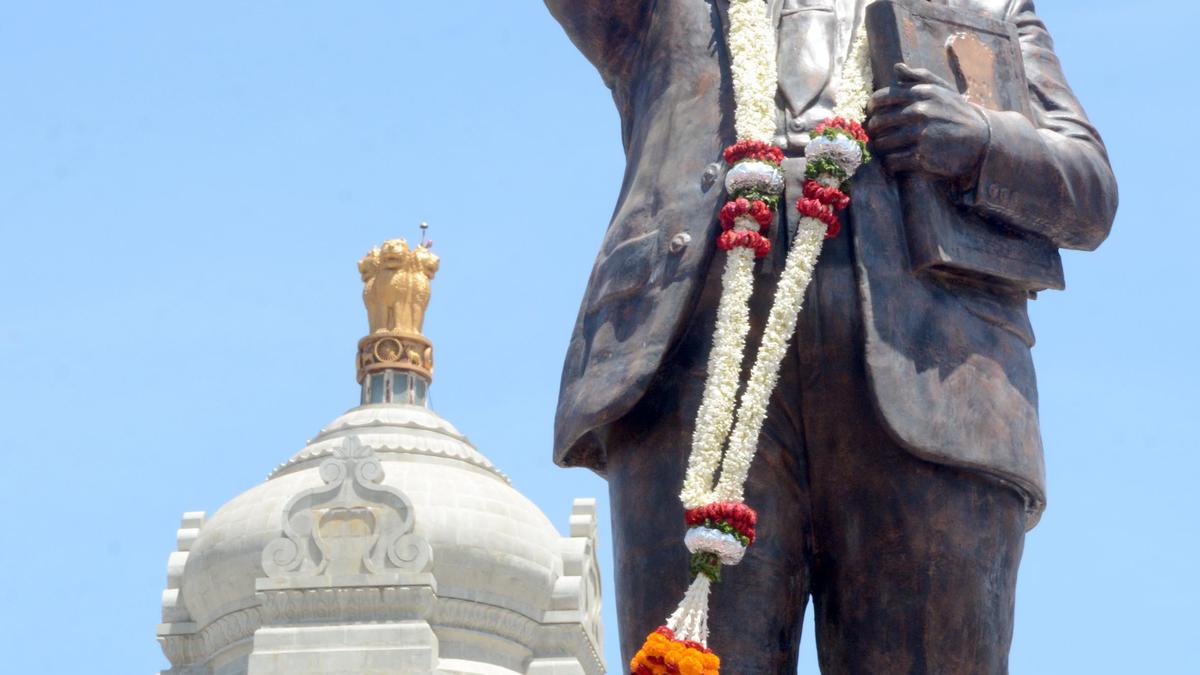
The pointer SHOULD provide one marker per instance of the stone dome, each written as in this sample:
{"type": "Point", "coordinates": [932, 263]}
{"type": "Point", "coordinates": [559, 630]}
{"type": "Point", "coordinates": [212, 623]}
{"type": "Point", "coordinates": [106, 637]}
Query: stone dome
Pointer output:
{"type": "Point", "coordinates": [466, 510]}
{"type": "Point", "coordinates": [489, 546]}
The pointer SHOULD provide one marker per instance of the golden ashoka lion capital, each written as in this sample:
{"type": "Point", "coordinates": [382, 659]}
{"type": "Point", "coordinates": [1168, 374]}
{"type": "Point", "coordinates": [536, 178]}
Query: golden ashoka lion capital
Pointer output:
{"type": "Point", "coordinates": [396, 285]}
{"type": "Point", "coordinates": [396, 293]}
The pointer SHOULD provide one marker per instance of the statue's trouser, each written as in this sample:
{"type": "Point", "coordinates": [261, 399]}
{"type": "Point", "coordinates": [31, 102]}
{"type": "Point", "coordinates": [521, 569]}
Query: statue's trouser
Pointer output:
{"type": "Point", "coordinates": [911, 566]}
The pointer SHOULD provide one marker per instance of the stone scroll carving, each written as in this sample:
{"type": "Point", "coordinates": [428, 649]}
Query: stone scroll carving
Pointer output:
{"type": "Point", "coordinates": [352, 525]}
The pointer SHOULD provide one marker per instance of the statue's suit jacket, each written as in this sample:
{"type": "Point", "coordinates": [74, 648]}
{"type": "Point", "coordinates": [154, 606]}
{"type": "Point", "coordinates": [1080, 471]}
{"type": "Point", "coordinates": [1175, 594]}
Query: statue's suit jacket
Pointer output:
{"type": "Point", "coordinates": [949, 365]}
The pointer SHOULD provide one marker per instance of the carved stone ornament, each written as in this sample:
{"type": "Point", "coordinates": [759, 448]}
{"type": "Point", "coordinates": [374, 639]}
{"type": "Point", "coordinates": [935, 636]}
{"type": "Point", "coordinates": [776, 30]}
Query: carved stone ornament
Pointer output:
{"type": "Point", "coordinates": [352, 525]}
{"type": "Point", "coordinates": [398, 351]}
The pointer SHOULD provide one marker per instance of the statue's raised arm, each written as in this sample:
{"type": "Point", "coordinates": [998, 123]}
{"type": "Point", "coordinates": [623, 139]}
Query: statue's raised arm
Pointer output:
{"type": "Point", "coordinates": [606, 31]}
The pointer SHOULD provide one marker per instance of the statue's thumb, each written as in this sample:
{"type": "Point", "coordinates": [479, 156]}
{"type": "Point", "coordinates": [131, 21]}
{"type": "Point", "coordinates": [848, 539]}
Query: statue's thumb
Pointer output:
{"type": "Point", "coordinates": [908, 75]}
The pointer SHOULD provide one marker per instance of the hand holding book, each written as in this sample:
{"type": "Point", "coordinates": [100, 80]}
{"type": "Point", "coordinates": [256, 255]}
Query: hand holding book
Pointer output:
{"type": "Point", "coordinates": [921, 123]}
{"type": "Point", "coordinates": [931, 127]}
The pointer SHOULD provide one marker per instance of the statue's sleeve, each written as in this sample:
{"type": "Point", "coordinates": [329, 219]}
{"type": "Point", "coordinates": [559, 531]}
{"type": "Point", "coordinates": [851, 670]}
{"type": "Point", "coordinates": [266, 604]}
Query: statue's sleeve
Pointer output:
{"type": "Point", "coordinates": [1051, 177]}
{"type": "Point", "coordinates": [608, 32]}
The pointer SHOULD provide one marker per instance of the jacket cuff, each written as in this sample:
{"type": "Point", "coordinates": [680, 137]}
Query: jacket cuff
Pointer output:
{"type": "Point", "coordinates": [992, 192]}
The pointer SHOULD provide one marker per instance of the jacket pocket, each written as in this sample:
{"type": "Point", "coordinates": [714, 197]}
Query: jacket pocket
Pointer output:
{"type": "Point", "coordinates": [1008, 311]}
{"type": "Point", "coordinates": [625, 271]}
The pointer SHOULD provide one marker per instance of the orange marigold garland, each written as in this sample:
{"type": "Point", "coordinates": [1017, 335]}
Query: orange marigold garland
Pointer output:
{"type": "Point", "coordinates": [663, 654]}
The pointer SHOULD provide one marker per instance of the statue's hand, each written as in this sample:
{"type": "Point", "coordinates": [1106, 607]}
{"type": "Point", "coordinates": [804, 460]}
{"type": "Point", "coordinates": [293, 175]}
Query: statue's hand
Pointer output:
{"type": "Point", "coordinates": [924, 124]}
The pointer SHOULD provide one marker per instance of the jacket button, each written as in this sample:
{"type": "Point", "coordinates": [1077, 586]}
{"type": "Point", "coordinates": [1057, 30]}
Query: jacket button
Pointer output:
{"type": "Point", "coordinates": [710, 176]}
{"type": "Point", "coordinates": [679, 242]}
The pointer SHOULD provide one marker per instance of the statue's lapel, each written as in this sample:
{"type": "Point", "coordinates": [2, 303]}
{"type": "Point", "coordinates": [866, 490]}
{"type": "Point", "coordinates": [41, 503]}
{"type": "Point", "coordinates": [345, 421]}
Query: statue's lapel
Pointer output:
{"type": "Point", "coordinates": [774, 7]}
{"type": "Point", "coordinates": [723, 14]}
{"type": "Point", "coordinates": [849, 15]}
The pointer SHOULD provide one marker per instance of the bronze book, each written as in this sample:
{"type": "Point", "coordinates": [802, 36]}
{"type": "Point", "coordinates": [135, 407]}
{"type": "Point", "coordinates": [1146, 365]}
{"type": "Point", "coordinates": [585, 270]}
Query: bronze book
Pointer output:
{"type": "Point", "coordinates": [982, 57]}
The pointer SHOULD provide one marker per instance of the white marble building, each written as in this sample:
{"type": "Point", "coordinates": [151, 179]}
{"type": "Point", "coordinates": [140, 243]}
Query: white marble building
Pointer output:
{"type": "Point", "coordinates": [389, 544]}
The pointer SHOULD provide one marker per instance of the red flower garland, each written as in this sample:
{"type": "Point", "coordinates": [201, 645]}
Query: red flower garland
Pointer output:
{"type": "Point", "coordinates": [740, 206]}
{"type": "Point", "coordinates": [755, 150]}
{"type": "Point", "coordinates": [731, 239]}
{"type": "Point", "coordinates": [812, 208]}
{"type": "Point", "coordinates": [759, 210]}
{"type": "Point", "coordinates": [854, 129]}
{"type": "Point", "coordinates": [829, 196]}
{"type": "Point", "coordinates": [821, 201]}
{"type": "Point", "coordinates": [739, 516]}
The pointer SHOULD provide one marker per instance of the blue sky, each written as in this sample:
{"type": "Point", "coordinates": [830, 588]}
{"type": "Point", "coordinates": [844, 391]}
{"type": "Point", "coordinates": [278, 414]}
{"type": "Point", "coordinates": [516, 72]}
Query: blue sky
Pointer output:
{"type": "Point", "coordinates": [184, 191]}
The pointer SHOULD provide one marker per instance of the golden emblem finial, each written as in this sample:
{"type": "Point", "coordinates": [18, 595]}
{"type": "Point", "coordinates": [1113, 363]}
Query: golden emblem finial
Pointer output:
{"type": "Point", "coordinates": [396, 293]}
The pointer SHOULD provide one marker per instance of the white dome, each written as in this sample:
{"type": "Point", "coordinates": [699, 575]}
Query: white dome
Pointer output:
{"type": "Point", "coordinates": [490, 545]}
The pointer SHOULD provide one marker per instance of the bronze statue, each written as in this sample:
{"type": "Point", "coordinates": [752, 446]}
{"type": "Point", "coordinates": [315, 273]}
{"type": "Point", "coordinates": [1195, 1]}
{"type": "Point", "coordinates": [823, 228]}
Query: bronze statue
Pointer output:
{"type": "Point", "coordinates": [901, 462]}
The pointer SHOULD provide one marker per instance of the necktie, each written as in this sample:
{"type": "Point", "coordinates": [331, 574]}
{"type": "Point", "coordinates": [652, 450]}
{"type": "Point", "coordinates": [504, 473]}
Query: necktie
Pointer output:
{"type": "Point", "coordinates": [807, 36]}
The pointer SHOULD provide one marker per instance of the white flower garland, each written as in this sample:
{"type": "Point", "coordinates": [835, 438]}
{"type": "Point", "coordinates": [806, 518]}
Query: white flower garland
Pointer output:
{"type": "Point", "coordinates": [690, 620]}
{"type": "Point", "coordinates": [752, 49]}
{"type": "Point", "coordinates": [725, 545]}
{"type": "Point", "coordinates": [842, 150]}
{"type": "Point", "coordinates": [852, 95]}
{"type": "Point", "coordinates": [781, 324]}
{"type": "Point", "coordinates": [752, 66]}
{"type": "Point", "coordinates": [752, 53]}
{"type": "Point", "coordinates": [852, 87]}
{"type": "Point", "coordinates": [715, 417]}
